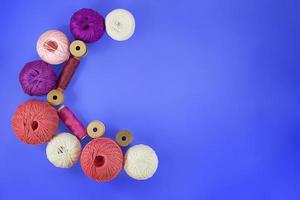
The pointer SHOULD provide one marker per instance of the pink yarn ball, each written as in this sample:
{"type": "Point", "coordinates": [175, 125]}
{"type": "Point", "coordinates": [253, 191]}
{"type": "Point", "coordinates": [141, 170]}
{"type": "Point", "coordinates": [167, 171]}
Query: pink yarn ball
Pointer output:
{"type": "Point", "coordinates": [53, 47]}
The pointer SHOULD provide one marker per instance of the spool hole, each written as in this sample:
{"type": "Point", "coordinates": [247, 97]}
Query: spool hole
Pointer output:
{"type": "Point", "coordinates": [123, 138]}
{"type": "Point", "coordinates": [95, 129]}
{"type": "Point", "coordinates": [99, 161]}
{"type": "Point", "coordinates": [54, 97]}
{"type": "Point", "coordinates": [34, 125]}
{"type": "Point", "coordinates": [77, 48]}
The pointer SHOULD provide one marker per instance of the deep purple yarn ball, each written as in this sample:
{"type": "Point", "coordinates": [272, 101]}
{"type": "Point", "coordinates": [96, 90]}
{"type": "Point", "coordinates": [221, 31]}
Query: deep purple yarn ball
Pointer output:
{"type": "Point", "coordinates": [37, 78]}
{"type": "Point", "coordinates": [87, 25]}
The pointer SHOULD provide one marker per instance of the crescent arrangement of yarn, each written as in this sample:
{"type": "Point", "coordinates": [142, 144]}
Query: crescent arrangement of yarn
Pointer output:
{"type": "Point", "coordinates": [36, 121]}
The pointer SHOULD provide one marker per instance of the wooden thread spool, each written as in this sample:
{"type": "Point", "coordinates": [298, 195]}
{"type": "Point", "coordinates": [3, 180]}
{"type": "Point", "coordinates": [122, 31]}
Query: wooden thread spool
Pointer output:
{"type": "Point", "coordinates": [78, 48]}
{"type": "Point", "coordinates": [68, 72]}
{"type": "Point", "coordinates": [95, 129]}
{"type": "Point", "coordinates": [124, 138]}
{"type": "Point", "coordinates": [55, 97]}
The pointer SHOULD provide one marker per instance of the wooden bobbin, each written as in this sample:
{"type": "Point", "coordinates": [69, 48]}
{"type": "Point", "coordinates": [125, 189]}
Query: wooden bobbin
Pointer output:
{"type": "Point", "coordinates": [95, 129]}
{"type": "Point", "coordinates": [124, 138]}
{"type": "Point", "coordinates": [55, 97]}
{"type": "Point", "coordinates": [78, 48]}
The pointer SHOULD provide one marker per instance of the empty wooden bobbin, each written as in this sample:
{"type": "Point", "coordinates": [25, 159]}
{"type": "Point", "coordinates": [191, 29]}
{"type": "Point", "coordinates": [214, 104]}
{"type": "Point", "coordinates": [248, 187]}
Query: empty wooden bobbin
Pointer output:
{"type": "Point", "coordinates": [124, 138]}
{"type": "Point", "coordinates": [95, 129]}
{"type": "Point", "coordinates": [78, 48]}
{"type": "Point", "coordinates": [55, 97]}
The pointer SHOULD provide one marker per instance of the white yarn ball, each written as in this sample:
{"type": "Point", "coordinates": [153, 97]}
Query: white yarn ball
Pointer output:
{"type": "Point", "coordinates": [53, 47]}
{"type": "Point", "coordinates": [120, 24]}
{"type": "Point", "coordinates": [141, 162]}
{"type": "Point", "coordinates": [63, 150]}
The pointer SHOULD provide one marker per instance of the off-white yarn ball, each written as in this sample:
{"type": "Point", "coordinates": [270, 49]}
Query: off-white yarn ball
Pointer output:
{"type": "Point", "coordinates": [53, 47]}
{"type": "Point", "coordinates": [63, 150]}
{"type": "Point", "coordinates": [120, 24]}
{"type": "Point", "coordinates": [141, 162]}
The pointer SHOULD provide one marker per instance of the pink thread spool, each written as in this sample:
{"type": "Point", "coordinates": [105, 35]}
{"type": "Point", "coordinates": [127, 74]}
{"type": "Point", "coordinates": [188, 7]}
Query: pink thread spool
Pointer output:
{"type": "Point", "coordinates": [72, 122]}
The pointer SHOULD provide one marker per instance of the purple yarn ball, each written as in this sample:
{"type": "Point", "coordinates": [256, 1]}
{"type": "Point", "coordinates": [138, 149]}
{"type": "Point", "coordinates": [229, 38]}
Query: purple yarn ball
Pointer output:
{"type": "Point", "coordinates": [87, 25]}
{"type": "Point", "coordinates": [37, 78]}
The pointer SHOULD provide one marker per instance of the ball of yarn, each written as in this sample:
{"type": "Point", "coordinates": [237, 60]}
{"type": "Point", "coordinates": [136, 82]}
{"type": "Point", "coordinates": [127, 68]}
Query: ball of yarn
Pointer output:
{"type": "Point", "coordinates": [35, 122]}
{"type": "Point", "coordinates": [101, 159]}
{"type": "Point", "coordinates": [87, 25]}
{"type": "Point", "coordinates": [37, 78]}
{"type": "Point", "coordinates": [63, 150]}
{"type": "Point", "coordinates": [141, 162]}
{"type": "Point", "coordinates": [53, 47]}
{"type": "Point", "coordinates": [120, 24]}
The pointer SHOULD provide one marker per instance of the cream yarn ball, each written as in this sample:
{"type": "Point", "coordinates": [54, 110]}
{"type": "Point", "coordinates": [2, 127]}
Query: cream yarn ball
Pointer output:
{"type": "Point", "coordinates": [63, 150]}
{"type": "Point", "coordinates": [53, 47]}
{"type": "Point", "coordinates": [141, 162]}
{"type": "Point", "coordinates": [120, 24]}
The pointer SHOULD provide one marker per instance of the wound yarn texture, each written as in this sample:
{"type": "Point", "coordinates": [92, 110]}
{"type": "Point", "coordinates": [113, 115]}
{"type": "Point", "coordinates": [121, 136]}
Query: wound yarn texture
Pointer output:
{"type": "Point", "coordinates": [53, 47]}
{"type": "Point", "coordinates": [120, 24]}
{"type": "Point", "coordinates": [35, 122]}
{"type": "Point", "coordinates": [67, 73]}
{"type": "Point", "coordinates": [37, 78]}
{"type": "Point", "coordinates": [101, 159]}
{"type": "Point", "coordinates": [140, 162]}
{"type": "Point", "coordinates": [63, 150]}
{"type": "Point", "coordinates": [72, 122]}
{"type": "Point", "coordinates": [87, 25]}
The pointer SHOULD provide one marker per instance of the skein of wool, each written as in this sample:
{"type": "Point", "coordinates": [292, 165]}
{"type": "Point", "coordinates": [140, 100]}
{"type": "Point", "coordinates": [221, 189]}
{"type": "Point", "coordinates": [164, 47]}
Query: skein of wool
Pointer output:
{"type": "Point", "coordinates": [120, 24]}
{"type": "Point", "coordinates": [63, 150]}
{"type": "Point", "coordinates": [101, 159]}
{"type": "Point", "coordinates": [35, 122]}
{"type": "Point", "coordinates": [141, 162]}
{"type": "Point", "coordinates": [72, 122]}
{"type": "Point", "coordinates": [87, 25]}
{"type": "Point", "coordinates": [53, 47]}
{"type": "Point", "coordinates": [37, 78]}
{"type": "Point", "coordinates": [68, 72]}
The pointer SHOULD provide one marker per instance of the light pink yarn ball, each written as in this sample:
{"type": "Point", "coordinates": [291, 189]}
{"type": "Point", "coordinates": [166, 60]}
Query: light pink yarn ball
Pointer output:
{"type": "Point", "coordinates": [53, 47]}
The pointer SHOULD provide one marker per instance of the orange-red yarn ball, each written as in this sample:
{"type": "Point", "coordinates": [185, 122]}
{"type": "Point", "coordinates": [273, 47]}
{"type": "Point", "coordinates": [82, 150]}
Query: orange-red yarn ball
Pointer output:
{"type": "Point", "coordinates": [35, 122]}
{"type": "Point", "coordinates": [102, 159]}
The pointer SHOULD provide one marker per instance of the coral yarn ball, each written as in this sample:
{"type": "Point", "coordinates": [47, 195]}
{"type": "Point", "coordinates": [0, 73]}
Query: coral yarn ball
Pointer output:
{"type": "Point", "coordinates": [101, 159]}
{"type": "Point", "coordinates": [63, 150]}
{"type": "Point", "coordinates": [35, 122]}
{"type": "Point", "coordinates": [53, 47]}
{"type": "Point", "coordinates": [141, 162]}
{"type": "Point", "coordinates": [87, 25]}
{"type": "Point", "coordinates": [37, 78]}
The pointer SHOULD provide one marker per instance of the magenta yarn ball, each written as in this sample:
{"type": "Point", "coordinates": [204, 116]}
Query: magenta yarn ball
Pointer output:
{"type": "Point", "coordinates": [37, 78]}
{"type": "Point", "coordinates": [87, 25]}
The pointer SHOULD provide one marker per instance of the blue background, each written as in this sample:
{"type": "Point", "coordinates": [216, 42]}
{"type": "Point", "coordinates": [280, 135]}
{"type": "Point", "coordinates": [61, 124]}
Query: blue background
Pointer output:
{"type": "Point", "coordinates": [212, 85]}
